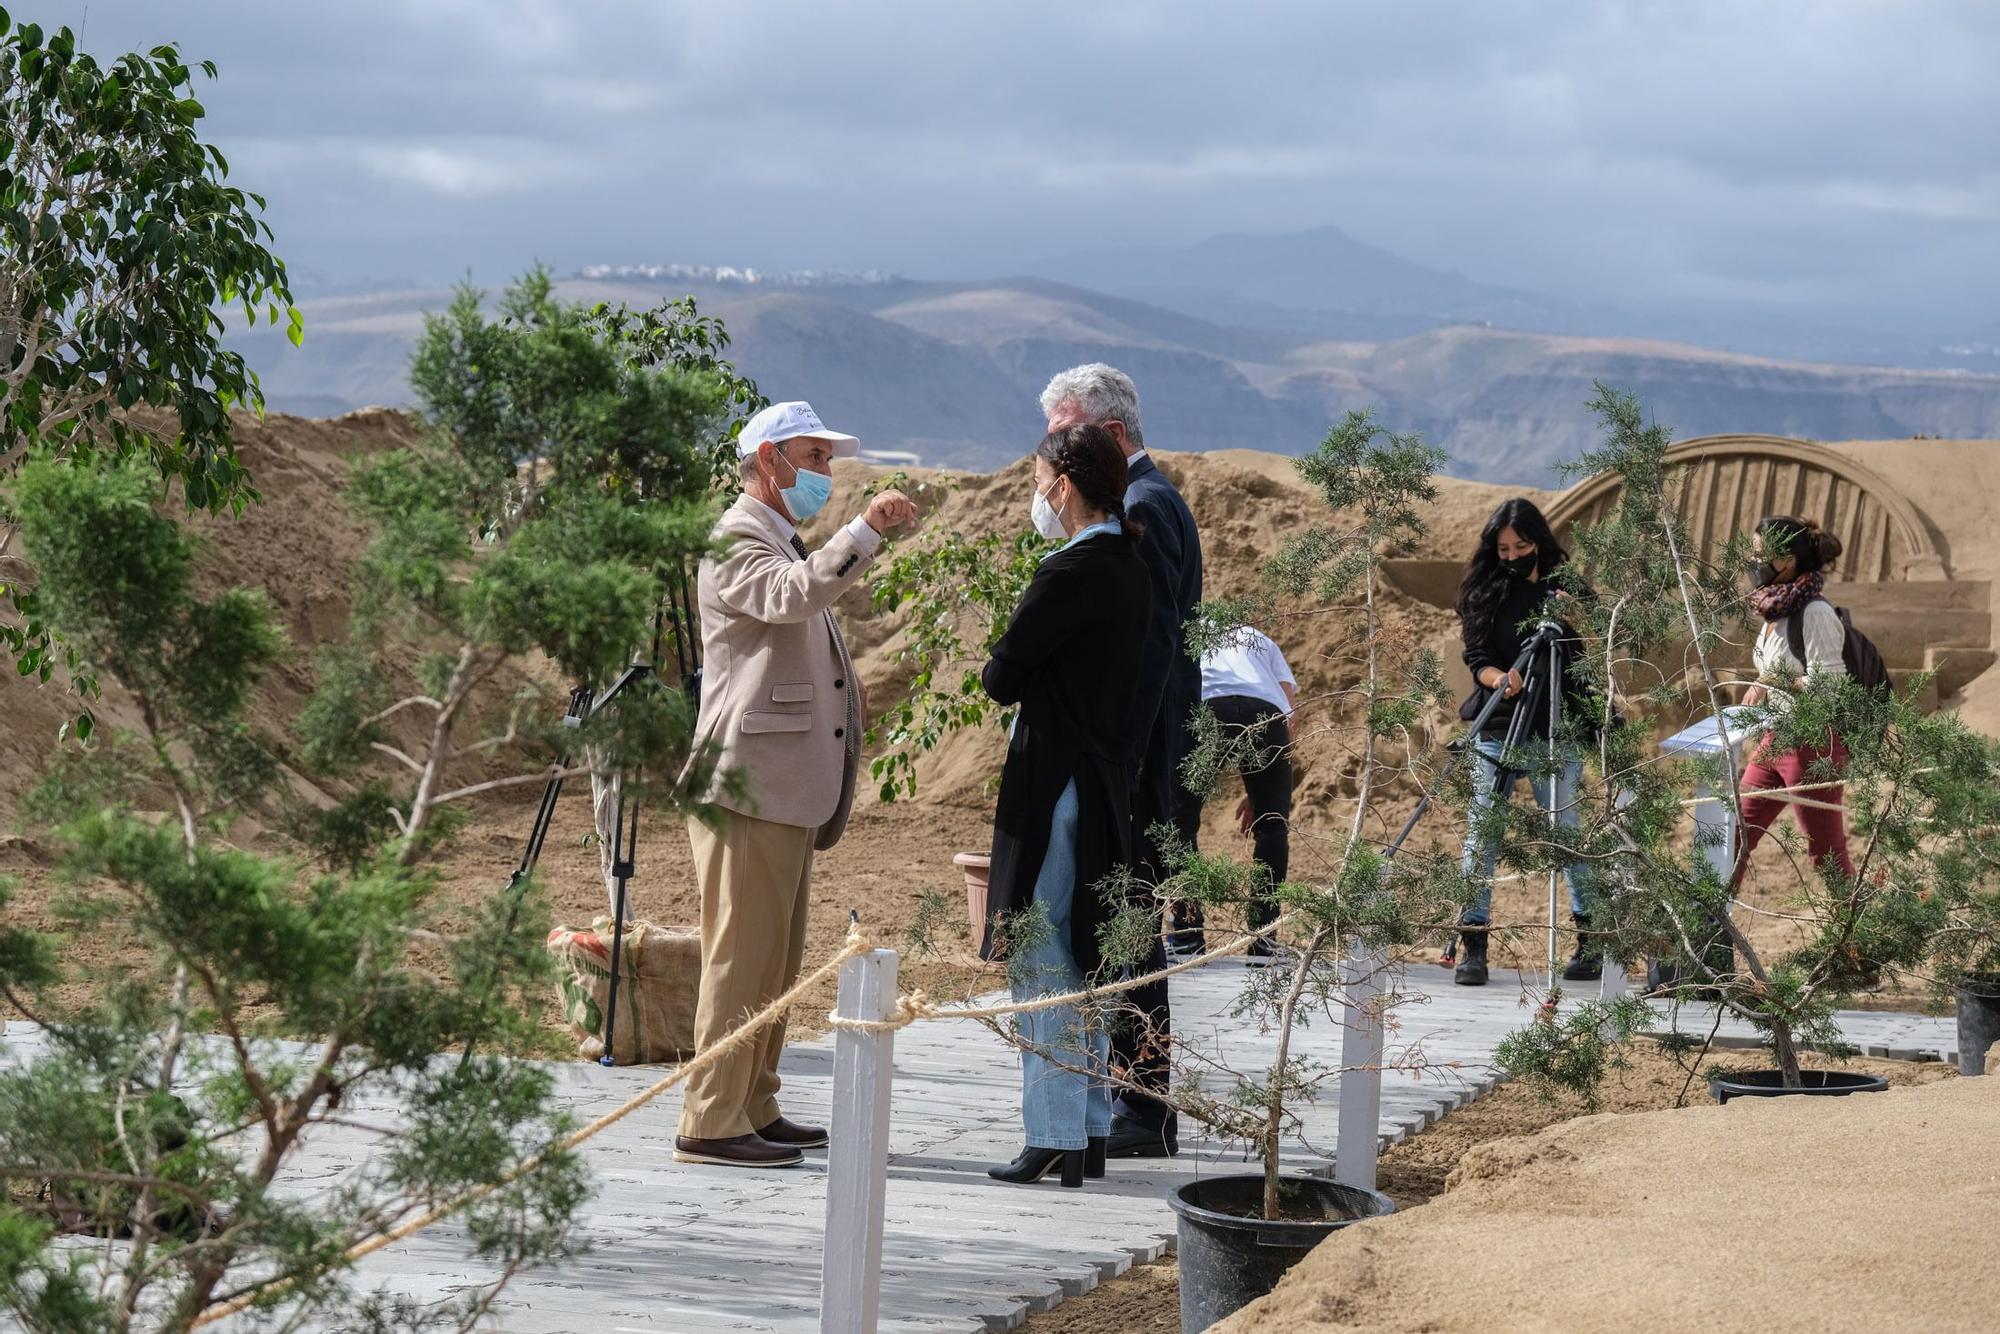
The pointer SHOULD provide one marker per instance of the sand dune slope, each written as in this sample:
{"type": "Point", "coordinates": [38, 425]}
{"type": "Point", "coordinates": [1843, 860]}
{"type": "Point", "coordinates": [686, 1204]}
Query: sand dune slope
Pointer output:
{"type": "Point", "coordinates": [1860, 1213]}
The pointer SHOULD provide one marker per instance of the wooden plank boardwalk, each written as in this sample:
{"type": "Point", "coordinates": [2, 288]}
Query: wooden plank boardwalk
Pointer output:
{"type": "Point", "coordinates": [692, 1249]}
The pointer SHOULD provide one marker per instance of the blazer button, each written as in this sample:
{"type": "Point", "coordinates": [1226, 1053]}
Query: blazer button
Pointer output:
{"type": "Point", "coordinates": [839, 731]}
{"type": "Point", "coordinates": [839, 684]}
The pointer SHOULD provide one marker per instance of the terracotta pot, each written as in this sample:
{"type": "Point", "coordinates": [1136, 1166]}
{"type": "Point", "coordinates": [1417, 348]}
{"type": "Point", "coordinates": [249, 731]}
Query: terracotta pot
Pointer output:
{"type": "Point", "coordinates": [976, 865]}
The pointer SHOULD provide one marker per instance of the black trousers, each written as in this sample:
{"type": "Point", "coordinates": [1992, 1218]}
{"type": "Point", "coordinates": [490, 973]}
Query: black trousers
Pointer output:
{"type": "Point", "coordinates": [1267, 780]}
{"type": "Point", "coordinates": [1142, 1041]}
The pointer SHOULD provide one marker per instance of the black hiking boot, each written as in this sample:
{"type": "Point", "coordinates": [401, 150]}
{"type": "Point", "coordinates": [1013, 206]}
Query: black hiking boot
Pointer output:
{"type": "Point", "coordinates": [1471, 970]}
{"type": "Point", "coordinates": [1587, 963]}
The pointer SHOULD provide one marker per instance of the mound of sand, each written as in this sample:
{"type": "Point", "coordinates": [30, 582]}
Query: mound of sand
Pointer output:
{"type": "Point", "coordinates": [1861, 1213]}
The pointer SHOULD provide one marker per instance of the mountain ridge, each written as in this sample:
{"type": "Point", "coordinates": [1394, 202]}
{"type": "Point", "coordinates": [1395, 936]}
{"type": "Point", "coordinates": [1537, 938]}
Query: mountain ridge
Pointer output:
{"type": "Point", "coordinates": [950, 370]}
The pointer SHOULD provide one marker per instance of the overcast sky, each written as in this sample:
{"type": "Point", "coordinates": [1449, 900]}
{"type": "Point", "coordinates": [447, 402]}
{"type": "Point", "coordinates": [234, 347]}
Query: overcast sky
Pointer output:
{"type": "Point", "coordinates": [1810, 154]}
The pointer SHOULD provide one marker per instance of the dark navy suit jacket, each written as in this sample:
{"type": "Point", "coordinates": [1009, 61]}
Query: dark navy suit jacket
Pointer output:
{"type": "Point", "coordinates": [1169, 680]}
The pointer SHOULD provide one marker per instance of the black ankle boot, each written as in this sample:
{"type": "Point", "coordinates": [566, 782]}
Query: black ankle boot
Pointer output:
{"type": "Point", "coordinates": [1093, 1158]}
{"type": "Point", "coordinates": [1587, 963]}
{"type": "Point", "coordinates": [1034, 1164]}
{"type": "Point", "coordinates": [1471, 970]}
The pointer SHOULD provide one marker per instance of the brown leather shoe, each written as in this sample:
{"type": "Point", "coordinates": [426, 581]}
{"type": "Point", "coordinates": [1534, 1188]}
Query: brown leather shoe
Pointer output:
{"type": "Point", "coordinates": [736, 1151]}
{"type": "Point", "coordinates": [794, 1135]}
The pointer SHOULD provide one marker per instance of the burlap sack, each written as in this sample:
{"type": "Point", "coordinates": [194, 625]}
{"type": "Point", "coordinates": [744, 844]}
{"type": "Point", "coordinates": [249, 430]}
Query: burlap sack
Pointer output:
{"type": "Point", "coordinates": [659, 977]}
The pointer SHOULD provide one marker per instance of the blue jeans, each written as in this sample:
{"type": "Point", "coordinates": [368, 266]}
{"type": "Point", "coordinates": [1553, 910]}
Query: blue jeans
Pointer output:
{"type": "Point", "coordinates": [1060, 1103]}
{"type": "Point", "coordinates": [1482, 855]}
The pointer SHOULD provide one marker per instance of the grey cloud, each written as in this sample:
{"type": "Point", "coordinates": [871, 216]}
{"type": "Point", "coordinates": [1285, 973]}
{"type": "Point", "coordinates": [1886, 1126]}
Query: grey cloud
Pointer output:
{"type": "Point", "coordinates": [1789, 151]}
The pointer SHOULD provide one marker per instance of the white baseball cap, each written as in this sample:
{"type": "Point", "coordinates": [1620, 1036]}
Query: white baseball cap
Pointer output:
{"type": "Point", "coordinates": [788, 421]}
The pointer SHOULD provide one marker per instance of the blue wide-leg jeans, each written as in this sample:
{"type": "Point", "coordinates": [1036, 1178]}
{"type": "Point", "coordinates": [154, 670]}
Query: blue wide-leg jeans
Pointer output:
{"type": "Point", "coordinates": [1064, 1096]}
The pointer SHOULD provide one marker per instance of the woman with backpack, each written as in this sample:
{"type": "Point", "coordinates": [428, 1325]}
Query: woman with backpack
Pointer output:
{"type": "Point", "coordinates": [1802, 638]}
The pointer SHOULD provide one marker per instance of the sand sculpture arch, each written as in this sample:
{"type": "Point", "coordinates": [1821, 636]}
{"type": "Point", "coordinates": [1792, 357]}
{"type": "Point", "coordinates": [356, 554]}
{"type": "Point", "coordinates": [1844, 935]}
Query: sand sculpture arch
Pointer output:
{"type": "Point", "coordinates": [1734, 480]}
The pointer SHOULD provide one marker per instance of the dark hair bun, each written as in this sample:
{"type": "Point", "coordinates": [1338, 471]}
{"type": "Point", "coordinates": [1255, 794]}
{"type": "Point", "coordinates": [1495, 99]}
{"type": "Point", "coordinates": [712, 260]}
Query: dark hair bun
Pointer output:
{"type": "Point", "coordinates": [1828, 545]}
{"type": "Point", "coordinates": [1089, 456]}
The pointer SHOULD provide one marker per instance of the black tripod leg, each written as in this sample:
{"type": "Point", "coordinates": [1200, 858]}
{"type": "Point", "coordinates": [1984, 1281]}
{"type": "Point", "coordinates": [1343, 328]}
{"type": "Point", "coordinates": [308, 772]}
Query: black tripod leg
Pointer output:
{"type": "Point", "coordinates": [1504, 778]}
{"type": "Point", "coordinates": [624, 840]}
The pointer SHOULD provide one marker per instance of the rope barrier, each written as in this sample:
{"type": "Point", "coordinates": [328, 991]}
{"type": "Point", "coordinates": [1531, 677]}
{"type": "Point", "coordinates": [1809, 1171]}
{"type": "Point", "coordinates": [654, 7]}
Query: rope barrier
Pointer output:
{"type": "Point", "coordinates": [707, 1056]}
{"type": "Point", "coordinates": [910, 1007]}
{"type": "Point", "coordinates": [914, 1005]}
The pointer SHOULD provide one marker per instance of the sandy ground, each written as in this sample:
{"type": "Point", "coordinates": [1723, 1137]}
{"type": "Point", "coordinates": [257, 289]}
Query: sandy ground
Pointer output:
{"type": "Point", "coordinates": [1860, 1213]}
{"type": "Point", "coordinates": [1416, 1172]}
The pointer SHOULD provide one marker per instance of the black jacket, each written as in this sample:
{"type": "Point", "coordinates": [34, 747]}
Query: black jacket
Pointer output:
{"type": "Point", "coordinates": [1071, 659]}
{"type": "Point", "coordinates": [1169, 680]}
{"type": "Point", "coordinates": [1500, 645]}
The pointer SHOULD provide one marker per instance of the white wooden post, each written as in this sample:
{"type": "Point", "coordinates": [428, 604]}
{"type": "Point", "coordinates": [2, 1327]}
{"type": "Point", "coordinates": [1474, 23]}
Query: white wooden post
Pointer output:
{"type": "Point", "coordinates": [1714, 817]}
{"type": "Point", "coordinates": [1361, 1068]}
{"type": "Point", "coordinates": [857, 1159]}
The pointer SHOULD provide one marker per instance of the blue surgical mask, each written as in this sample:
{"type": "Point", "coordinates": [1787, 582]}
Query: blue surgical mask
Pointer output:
{"type": "Point", "coordinates": [808, 493]}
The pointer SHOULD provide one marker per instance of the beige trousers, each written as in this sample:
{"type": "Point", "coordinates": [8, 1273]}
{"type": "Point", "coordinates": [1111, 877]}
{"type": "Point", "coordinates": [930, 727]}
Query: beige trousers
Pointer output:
{"type": "Point", "coordinates": [756, 880]}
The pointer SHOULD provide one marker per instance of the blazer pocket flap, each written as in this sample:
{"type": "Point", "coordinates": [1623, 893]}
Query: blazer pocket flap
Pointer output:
{"type": "Point", "coordinates": [777, 722]}
{"type": "Point", "coordinates": [792, 692]}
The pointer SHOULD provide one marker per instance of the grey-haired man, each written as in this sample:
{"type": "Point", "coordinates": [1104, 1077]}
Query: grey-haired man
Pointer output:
{"type": "Point", "coordinates": [1169, 691]}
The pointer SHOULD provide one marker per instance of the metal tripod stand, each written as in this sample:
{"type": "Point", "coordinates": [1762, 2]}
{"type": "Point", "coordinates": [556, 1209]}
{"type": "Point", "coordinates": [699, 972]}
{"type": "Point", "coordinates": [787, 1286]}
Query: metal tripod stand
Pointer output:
{"type": "Point", "coordinates": [1540, 665]}
{"type": "Point", "coordinates": [585, 703]}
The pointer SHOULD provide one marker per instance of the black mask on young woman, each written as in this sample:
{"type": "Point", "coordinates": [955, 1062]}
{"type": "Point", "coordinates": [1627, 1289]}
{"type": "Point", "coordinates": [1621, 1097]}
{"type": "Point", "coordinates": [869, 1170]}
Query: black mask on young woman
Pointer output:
{"type": "Point", "coordinates": [1520, 567]}
{"type": "Point", "coordinates": [1764, 574]}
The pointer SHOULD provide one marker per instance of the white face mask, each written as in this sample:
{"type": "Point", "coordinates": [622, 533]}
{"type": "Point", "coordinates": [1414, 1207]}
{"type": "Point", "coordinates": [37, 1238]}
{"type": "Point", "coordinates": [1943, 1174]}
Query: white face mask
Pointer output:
{"type": "Point", "coordinates": [1047, 522]}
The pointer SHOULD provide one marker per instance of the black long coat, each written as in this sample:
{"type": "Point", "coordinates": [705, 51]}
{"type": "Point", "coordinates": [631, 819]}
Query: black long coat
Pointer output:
{"type": "Point", "coordinates": [1071, 659]}
{"type": "Point", "coordinates": [1169, 680]}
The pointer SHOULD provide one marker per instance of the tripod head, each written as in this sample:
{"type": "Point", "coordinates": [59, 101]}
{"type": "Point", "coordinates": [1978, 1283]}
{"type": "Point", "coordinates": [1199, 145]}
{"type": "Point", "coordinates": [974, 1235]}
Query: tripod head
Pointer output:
{"type": "Point", "coordinates": [1546, 629]}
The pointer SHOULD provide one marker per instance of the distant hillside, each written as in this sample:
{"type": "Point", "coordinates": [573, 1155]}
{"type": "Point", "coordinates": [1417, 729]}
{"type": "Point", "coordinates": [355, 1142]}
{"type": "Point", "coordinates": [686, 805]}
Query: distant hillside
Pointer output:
{"type": "Point", "coordinates": [950, 371]}
{"type": "Point", "coordinates": [1322, 280]}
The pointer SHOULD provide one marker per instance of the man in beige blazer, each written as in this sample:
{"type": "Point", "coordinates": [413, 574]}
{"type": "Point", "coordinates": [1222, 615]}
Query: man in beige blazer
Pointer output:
{"type": "Point", "coordinates": [780, 698]}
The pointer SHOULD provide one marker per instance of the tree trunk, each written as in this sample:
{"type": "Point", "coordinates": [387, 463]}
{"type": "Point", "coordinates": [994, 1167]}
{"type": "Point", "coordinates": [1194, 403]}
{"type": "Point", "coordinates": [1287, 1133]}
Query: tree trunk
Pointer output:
{"type": "Point", "coordinates": [1274, 1108]}
{"type": "Point", "coordinates": [1787, 1052]}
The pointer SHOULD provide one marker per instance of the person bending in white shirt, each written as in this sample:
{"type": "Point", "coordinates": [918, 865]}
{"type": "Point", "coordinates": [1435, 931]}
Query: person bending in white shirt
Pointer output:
{"type": "Point", "coordinates": [1248, 686]}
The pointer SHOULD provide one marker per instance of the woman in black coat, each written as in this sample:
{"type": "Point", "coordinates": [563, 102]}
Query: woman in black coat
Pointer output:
{"type": "Point", "coordinates": [1070, 660]}
{"type": "Point", "coordinates": [1506, 586]}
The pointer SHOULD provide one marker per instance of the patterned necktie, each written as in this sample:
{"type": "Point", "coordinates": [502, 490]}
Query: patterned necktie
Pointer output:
{"type": "Point", "coordinates": [798, 546]}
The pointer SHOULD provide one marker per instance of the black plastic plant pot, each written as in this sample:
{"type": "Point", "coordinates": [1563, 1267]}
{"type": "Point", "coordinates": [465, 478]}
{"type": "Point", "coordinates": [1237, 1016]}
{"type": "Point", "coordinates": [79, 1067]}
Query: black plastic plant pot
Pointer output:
{"type": "Point", "coordinates": [1978, 1021]}
{"type": "Point", "coordinates": [1230, 1256]}
{"type": "Point", "coordinates": [1813, 1083]}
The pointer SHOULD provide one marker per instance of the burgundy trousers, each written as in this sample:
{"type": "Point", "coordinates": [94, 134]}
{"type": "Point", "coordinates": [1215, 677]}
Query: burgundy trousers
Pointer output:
{"type": "Point", "coordinates": [1825, 830]}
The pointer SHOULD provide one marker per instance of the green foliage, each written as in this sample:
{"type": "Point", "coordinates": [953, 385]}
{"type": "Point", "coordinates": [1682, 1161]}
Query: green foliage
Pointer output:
{"type": "Point", "coordinates": [231, 941]}
{"type": "Point", "coordinates": [27, 958]}
{"type": "Point", "coordinates": [1923, 806]}
{"type": "Point", "coordinates": [561, 491]}
{"type": "Point", "coordinates": [161, 1112]}
{"type": "Point", "coordinates": [1572, 1053]}
{"type": "Point", "coordinates": [120, 239]}
{"type": "Point", "coordinates": [1373, 483]}
{"type": "Point", "coordinates": [675, 334]}
{"type": "Point", "coordinates": [959, 592]}
{"type": "Point", "coordinates": [117, 578]}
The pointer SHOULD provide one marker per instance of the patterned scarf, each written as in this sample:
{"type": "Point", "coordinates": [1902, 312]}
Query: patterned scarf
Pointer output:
{"type": "Point", "coordinates": [1774, 602]}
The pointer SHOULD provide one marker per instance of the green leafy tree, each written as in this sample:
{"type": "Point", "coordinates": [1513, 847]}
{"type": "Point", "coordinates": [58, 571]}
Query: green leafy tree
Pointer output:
{"type": "Point", "coordinates": [958, 592]}
{"type": "Point", "coordinates": [121, 241]}
{"type": "Point", "coordinates": [145, 1146]}
{"type": "Point", "coordinates": [1923, 804]}
{"type": "Point", "coordinates": [560, 492]}
{"type": "Point", "coordinates": [1359, 901]}
{"type": "Point", "coordinates": [675, 334]}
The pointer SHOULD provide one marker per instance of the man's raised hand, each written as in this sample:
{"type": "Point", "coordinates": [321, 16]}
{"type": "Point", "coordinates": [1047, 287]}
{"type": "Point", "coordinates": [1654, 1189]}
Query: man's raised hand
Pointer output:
{"type": "Point", "coordinates": [889, 509]}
